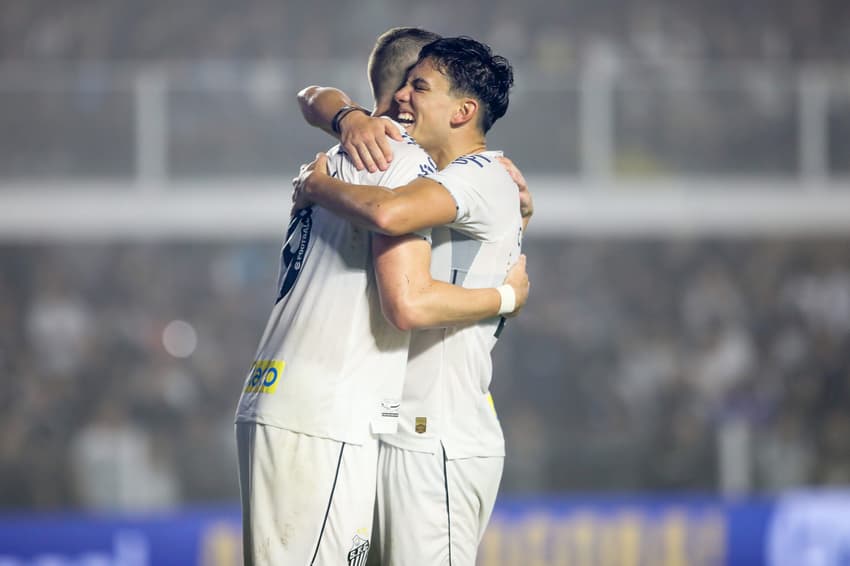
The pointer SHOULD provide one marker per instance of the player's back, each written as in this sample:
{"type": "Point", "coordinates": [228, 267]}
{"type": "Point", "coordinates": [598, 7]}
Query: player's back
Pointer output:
{"type": "Point", "coordinates": [329, 364]}
{"type": "Point", "coordinates": [446, 393]}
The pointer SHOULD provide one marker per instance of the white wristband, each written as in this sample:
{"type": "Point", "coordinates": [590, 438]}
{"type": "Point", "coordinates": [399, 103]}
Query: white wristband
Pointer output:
{"type": "Point", "coordinates": [508, 299]}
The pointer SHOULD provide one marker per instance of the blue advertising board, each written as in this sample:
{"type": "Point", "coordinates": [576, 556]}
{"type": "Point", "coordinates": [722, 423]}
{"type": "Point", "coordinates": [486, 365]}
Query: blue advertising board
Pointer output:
{"type": "Point", "coordinates": [803, 529]}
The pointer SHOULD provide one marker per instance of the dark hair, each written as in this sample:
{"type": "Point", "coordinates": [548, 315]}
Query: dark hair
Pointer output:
{"type": "Point", "coordinates": [395, 51]}
{"type": "Point", "coordinates": [473, 70]}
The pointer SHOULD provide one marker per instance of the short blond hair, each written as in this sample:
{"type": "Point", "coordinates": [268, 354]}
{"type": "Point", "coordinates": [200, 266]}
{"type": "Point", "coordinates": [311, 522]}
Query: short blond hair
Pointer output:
{"type": "Point", "coordinates": [395, 51]}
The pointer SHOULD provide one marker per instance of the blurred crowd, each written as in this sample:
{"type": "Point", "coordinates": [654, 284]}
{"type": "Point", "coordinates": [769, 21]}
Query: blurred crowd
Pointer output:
{"type": "Point", "coordinates": [648, 365]}
{"type": "Point", "coordinates": [556, 33]}
{"type": "Point", "coordinates": [651, 365]}
{"type": "Point", "coordinates": [102, 405]}
{"type": "Point", "coordinates": [685, 365]}
{"type": "Point", "coordinates": [698, 87]}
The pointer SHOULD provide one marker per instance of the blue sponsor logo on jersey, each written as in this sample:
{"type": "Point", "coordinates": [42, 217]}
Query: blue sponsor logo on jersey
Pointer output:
{"type": "Point", "coordinates": [264, 376]}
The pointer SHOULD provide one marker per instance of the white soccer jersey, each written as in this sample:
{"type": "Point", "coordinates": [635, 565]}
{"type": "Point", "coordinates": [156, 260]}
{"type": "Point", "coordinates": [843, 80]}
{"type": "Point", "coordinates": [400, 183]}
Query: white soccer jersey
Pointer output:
{"type": "Point", "coordinates": [329, 364]}
{"type": "Point", "coordinates": [446, 392]}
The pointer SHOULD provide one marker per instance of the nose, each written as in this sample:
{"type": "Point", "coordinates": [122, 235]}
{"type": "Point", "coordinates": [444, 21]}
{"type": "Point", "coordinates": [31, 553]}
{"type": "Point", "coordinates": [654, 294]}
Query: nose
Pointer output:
{"type": "Point", "coordinates": [402, 94]}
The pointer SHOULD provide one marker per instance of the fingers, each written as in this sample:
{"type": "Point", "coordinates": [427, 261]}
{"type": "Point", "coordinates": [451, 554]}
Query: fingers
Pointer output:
{"type": "Point", "coordinates": [365, 141]}
{"type": "Point", "coordinates": [393, 132]}
{"type": "Point", "coordinates": [354, 155]}
{"type": "Point", "coordinates": [506, 161]}
{"type": "Point", "coordinates": [377, 153]}
{"type": "Point", "coordinates": [526, 203]}
{"type": "Point", "coordinates": [374, 153]}
{"type": "Point", "coordinates": [319, 158]}
{"type": "Point", "coordinates": [509, 166]}
{"type": "Point", "coordinates": [321, 162]}
{"type": "Point", "coordinates": [366, 157]}
{"type": "Point", "coordinates": [520, 264]}
{"type": "Point", "coordinates": [319, 165]}
{"type": "Point", "coordinates": [514, 172]}
{"type": "Point", "coordinates": [518, 279]}
{"type": "Point", "coordinates": [384, 148]}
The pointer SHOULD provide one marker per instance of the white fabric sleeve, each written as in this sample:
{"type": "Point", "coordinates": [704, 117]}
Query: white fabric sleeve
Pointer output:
{"type": "Point", "coordinates": [466, 180]}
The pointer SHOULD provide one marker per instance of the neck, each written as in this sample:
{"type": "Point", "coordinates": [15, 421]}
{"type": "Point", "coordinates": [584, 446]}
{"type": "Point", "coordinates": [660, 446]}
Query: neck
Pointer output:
{"type": "Point", "coordinates": [455, 147]}
{"type": "Point", "coordinates": [382, 107]}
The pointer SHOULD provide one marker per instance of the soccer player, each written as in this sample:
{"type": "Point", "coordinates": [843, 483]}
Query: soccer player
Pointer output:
{"type": "Point", "coordinates": [328, 371]}
{"type": "Point", "coordinates": [445, 462]}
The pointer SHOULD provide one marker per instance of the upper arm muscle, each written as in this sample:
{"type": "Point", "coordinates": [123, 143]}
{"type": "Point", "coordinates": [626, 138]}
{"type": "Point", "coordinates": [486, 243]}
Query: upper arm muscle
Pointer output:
{"type": "Point", "coordinates": [402, 266]}
{"type": "Point", "coordinates": [422, 203]}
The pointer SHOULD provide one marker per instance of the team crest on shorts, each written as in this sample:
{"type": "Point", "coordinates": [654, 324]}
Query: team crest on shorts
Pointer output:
{"type": "Point", "coordinates": [359, 551]}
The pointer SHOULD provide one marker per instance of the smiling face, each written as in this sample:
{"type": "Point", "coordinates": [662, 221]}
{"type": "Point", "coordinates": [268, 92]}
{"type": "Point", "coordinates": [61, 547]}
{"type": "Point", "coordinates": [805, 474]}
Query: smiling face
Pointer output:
{"type": "Point", "coordinates": [426, 107]}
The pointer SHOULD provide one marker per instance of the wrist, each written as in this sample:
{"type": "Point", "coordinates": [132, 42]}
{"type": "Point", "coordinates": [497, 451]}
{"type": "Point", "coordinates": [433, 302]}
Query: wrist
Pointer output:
{"type": "Point", "coordinates": [336, 122]}
{"type": "Point", "coordinates": [507, 295]}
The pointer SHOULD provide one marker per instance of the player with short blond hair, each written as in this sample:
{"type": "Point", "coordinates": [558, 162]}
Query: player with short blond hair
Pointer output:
{"type": "Point", "coordinates": [328, 372]}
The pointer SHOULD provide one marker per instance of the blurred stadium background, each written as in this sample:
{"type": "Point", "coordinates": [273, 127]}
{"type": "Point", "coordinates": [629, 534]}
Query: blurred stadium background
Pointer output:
{"type": "Point", "coordinates": [676, 392]}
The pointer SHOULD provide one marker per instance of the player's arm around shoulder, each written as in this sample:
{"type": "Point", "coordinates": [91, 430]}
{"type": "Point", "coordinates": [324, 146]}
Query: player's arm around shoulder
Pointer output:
{"type": "Point", "coordinates": [363, 136]}
{"type": "Point", "coordinates": [421, 203]}
{"type": "Point", "coordinates": [411, 299]}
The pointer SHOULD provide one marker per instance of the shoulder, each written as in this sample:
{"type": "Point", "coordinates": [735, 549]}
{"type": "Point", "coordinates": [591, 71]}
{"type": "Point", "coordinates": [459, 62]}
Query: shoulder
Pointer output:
{"type": "Point", "coordinates": [409, 161]}
{"type": "Point", "coordinates": [477, 168]}
{"type": "Point", "coordinates": [483, 160]}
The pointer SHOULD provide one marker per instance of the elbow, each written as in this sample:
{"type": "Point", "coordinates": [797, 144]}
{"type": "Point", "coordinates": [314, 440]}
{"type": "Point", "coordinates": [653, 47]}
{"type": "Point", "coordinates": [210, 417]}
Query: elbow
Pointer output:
{"type": "Point", "coordinates": [305, 99]}
{"type": "Point", "coordinates": [403, 315]}
{"type": "Point", "coordinates": [388, 221]}
{"type": "Point", "coordinates": [401, 323]}
{"type": "Point", "coordinates": [305, 95]}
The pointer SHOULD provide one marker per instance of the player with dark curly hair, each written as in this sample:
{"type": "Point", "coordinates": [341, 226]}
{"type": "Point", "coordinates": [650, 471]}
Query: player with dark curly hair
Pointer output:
{"type": "Point", "coordinates": [445, 462]}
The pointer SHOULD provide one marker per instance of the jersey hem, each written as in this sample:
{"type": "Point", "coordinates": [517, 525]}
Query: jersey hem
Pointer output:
{"type": "Point", "coordinates": [357, 440]}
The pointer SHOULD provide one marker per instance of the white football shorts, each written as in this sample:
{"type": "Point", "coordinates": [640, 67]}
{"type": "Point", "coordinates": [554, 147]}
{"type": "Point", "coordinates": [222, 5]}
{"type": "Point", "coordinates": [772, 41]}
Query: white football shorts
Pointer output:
{"type": "Point", "coordinates": [433, 511]}
{"type": "Point", "coordinates": [305, 500]}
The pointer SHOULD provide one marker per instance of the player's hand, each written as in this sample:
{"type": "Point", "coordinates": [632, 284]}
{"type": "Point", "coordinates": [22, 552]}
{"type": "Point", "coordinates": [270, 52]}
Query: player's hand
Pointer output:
{"type": "Point", "coordinates": [518, 279]}
{"type": "Point", "coordinates": [303, 183]}
{"type": "Point", "coordinates": [364, 139]}
{"type": "Point", "coordinates": [526, 203]}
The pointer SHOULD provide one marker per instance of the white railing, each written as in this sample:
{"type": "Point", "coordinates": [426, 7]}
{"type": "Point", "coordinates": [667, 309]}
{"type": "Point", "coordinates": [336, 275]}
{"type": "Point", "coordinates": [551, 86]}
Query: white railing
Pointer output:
{"type": "Point", "coordinates": [589, 123]}
{"type": "Point", "coordinates": [619, 148]}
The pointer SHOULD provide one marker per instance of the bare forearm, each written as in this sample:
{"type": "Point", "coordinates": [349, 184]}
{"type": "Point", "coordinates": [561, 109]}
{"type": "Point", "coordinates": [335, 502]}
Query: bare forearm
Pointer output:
{"type": "Point", "coordinates": [411, 298]}
{"type": "Point", "coordinates": [421, 204]}
{"type": "Point", "coordinates": [366, 206]}
{"type": "Point", "coordinates": [440, 304]}
{"type": "Point", "coordinates": [319, 105]}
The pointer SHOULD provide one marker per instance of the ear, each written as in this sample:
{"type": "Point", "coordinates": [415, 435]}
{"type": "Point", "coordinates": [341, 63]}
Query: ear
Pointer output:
{"type": "Point", "coordinates": [466, 111]}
